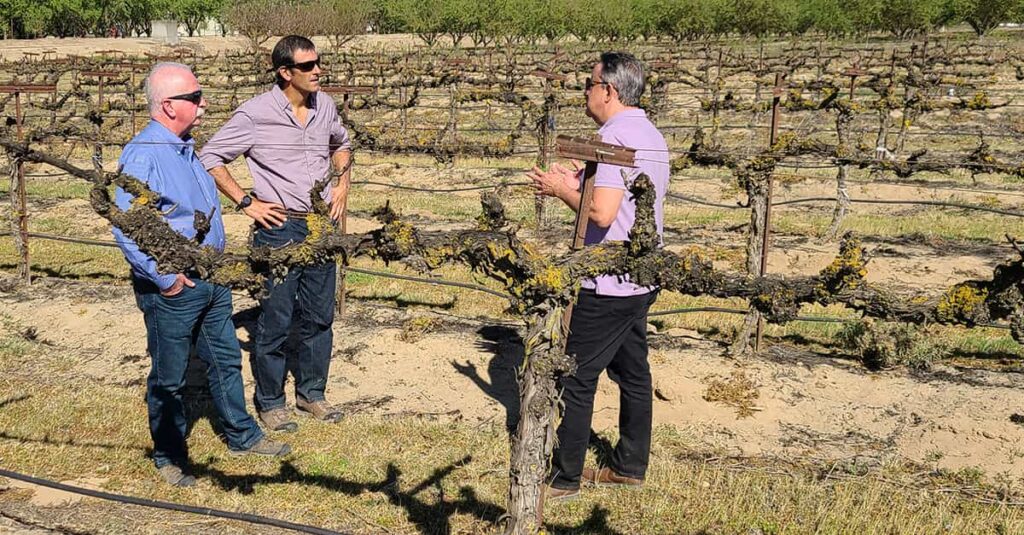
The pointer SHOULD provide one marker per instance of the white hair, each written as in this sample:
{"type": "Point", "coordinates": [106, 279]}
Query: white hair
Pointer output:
{"type": "Point", "coordinates": [156, 93]}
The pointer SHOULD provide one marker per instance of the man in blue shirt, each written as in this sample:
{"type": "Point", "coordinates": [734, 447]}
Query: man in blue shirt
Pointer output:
{"type": "Point", "coordinates": [181, 310]}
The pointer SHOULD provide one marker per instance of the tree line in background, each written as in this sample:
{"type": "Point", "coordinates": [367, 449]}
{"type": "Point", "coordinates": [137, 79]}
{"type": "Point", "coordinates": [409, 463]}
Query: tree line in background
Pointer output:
{"type": "Point", "coordinates": [508, 21]}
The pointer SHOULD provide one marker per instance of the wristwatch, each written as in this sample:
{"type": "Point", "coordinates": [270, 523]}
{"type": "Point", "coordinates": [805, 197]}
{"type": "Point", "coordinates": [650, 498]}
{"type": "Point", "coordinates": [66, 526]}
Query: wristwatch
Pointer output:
{"type": "Point", "coordinates": [244, 203]}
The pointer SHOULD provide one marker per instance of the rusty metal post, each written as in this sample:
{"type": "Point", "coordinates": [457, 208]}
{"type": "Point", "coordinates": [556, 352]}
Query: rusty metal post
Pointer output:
{"type": "Point", "coordinates": [20, 202]}
{"type": "Point", "coordinates": [131, 82]}
{"type": "Point", "coordinates": [767, 229]}
{"type": "Point", "coordinates": [97, 151]}
{"type": "Point", "coordinates": [19, 196]}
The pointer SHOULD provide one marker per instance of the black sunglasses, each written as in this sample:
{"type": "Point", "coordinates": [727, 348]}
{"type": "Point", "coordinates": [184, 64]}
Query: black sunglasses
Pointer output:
{"type": "Point", "coordinates": [194, 97]}
{"type": "Point", "coordinates": [589, 84]}
{"type": "Point", "coordinates": [305, 66]}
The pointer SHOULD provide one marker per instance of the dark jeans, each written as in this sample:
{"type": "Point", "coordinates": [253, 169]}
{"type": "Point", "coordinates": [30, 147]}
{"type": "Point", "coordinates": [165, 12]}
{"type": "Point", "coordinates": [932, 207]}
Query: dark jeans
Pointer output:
{"type": "Point", "coordinates": [199, 317]}
{"type": "Point", "coordinates": [303, 300]}
{"type": "Point", "coordinates": [606, 333]}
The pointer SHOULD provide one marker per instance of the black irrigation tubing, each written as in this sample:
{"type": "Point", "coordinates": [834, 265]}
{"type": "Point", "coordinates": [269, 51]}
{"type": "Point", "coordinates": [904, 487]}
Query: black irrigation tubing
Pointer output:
{"type": "Point", "coordinates": [808, 319]}
{"type": "Point", "coordinates": [721, 310]}
{"type": "Point", "coordinates": [964, 206]}
{"type": "Point", "coordinates": [432, 190]}
{"type": "Point", "coordinates": [440, 282]}
{"type": "Point", "coordinates": [204, 511]}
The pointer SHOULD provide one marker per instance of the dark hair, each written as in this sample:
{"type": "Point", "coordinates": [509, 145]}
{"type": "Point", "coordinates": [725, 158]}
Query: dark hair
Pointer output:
{"type": "Point", "coordinates": [284, 54]}
{"type": "Point", "coordinates": [626, 73]}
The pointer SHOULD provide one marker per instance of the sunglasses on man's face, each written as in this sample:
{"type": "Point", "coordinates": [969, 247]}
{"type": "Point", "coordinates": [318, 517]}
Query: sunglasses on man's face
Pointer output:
{"type": "Point", "coordinates": [305, 66]}
{"type": "Point", "coordinates": [194, 97]}
{"type": "Point", "coordinates": [590, 83]}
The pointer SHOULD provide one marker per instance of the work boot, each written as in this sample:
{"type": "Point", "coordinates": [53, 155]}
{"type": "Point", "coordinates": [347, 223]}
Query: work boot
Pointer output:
{"type": "Point", "coordinates": [175, 476]}
{"type": "Point", "coordinates": [264, 447]}
{"type": "Point", "coordinates": [278, 420]}
{"type": "Point", "coordinates": [320, 410]}
{"type": "Point", "coordinates": [606, 477]}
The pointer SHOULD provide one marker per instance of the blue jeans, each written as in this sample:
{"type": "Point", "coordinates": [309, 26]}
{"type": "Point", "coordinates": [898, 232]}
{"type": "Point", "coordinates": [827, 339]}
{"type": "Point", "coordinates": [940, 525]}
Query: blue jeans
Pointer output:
{"type": "Point", "coordinates": [304, 300]}
{"type": "Point", "coordinates": [199, 317]}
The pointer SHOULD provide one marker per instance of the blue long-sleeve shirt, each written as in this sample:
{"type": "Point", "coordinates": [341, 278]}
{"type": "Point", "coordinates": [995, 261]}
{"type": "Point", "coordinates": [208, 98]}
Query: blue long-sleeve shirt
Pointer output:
{"type": "Point", "coordinates": [169, 167]}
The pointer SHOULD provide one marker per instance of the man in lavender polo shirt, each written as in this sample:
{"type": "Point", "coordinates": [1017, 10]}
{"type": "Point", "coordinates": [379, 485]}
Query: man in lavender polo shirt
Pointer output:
{"type": "Point", "coordinates": [290, 136]}
{"type": "Point", "coordinates": [609, 322]}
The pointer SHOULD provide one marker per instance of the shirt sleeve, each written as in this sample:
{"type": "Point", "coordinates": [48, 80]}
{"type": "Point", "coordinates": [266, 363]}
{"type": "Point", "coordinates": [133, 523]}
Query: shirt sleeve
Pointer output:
{"type": "Point", "coordinates": [608, 175]}
{"type": "Point", "coordinates": [143, 169]}
{"type": "Point", "coordinates": [233, 139]}
{"type": "Point", "coordinates": [339, 135]}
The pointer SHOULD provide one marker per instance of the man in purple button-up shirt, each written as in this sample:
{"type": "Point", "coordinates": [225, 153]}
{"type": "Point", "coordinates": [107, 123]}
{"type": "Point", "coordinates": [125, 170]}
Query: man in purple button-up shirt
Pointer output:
{"type": "Point", "coordinates": [609, 322]}
{"type": "Point", "coordinates": [290, 136]}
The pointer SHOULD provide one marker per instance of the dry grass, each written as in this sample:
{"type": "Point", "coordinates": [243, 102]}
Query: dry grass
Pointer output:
{"type": "Point", "coordinates": [737, 391]}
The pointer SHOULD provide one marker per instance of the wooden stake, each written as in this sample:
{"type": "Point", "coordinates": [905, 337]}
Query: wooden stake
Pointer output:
{"type": "Point", "coordinates": [766, 231]}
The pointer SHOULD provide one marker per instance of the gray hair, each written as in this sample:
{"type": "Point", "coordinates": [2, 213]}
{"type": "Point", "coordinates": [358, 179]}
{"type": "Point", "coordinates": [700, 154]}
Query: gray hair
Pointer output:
{"type": "Point", "coordinates": [156, 95]}
{"type": "Point", "coordinates": [626, 74]}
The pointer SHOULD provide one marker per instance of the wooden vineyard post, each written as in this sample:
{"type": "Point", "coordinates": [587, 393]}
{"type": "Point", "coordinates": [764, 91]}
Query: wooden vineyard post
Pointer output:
{"type": "Point", "coordinates": [592, 152]}
{"type": "Point", "coordinates": [533, 441]}
{"type": "Point", "coordinates": [346, 91]}
{"type": "Point", "coordinates": [19, 199]}
{"type": "Point", "coordinates": [545, 132]}
{"type": "Point", "coordinates": [766, 229]}
{"type": "Point", "coordinates": [97, 152]}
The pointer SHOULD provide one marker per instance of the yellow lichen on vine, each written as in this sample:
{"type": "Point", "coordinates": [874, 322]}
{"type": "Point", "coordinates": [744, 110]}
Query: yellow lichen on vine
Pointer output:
{"type": "Point", "coordinates": [980, 101]}
{"type": "Point", "coordinates": [960, 304]}
{"type": "Point", "coordinates": [550, 278]}
{"type": "Point", "coordinates": [233, 272]}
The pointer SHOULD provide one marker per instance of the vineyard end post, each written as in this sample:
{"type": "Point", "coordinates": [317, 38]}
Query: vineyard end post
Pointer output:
{"type": "Point", "coordinates": [773, 136]}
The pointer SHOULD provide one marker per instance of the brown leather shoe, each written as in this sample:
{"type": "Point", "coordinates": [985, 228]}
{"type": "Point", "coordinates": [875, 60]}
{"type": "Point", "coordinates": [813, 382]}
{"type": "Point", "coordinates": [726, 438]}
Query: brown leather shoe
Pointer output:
{"type": "Point", "coordinates": [555, 494]}
{"type": "Point", "coordinates": [278, 420]}
{"type": "Point", "coordinates": [606, 477]}
{"type": "Point", "coordinates": [552, 494]}
{"type": "Point", "coordinates": [320, 410]}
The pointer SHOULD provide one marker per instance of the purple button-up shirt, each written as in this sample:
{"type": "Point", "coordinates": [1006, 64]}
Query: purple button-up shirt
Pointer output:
{"type": "Point", "coordinates": [629, 128]}
{"type": "Point", "coordinates": [285, 158]}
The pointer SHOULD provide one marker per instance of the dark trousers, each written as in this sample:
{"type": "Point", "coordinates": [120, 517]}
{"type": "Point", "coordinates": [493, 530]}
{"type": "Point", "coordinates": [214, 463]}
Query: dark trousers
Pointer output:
{"type": "Point", "coordinates": [606, 333]}
{"type": "Point", "coordinates": [199, 317]}
{"type": "Point", "coordinates": [304, 300]}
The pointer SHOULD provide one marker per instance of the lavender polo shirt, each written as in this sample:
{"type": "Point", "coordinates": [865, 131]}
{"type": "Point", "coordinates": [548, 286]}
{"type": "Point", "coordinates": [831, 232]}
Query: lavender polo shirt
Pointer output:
{"type": "Point", "coordinates": [629, 128]}
{"type": "Point", "coordinates": [285, 158]}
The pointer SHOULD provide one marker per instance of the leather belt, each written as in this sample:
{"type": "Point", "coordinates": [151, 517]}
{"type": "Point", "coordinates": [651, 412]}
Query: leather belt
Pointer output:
{"type": "Point", "coordinates": [297, 214]}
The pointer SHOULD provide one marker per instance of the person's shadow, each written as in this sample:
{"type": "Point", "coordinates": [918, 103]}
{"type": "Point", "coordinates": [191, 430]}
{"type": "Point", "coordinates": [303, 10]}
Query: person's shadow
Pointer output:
{"type": "Point", "coordinates": [428, 517]}
{"type": "Point", "coordinates": [507, 346]}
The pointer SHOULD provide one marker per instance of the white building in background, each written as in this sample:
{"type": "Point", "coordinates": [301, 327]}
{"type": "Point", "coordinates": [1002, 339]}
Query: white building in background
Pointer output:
{"type": "Point", "coordinates": [166, 31]}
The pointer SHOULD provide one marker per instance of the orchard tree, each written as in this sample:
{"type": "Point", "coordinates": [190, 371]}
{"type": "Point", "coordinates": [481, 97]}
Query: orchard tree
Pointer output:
{"type": "Point", "coordinates": [983, 15]}
{"type": "Point", "coordinates": [342, 20]}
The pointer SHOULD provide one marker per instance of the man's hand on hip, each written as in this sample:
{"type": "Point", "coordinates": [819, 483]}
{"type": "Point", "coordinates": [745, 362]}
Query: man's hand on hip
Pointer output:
{"type": "Point", "coordinates": [339, 196]}
{"type": "Point", "coordinates": [180, 282]}
{"type": "Point", "coordinates": [267, 214]}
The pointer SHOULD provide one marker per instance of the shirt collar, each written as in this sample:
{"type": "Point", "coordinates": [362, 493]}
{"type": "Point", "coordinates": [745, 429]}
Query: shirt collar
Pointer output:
{"type": "Point", "coordinates": [160, 134]}
{"type": "Point", "coordinates": [282, 100]}
{"type": "Point", "coordinates": [628, 113]}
